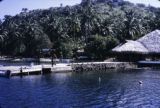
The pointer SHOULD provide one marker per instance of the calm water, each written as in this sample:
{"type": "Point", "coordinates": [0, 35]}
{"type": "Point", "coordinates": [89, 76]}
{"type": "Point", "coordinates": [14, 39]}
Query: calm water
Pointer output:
{"type": "Point", "coordinates": [83, 90]}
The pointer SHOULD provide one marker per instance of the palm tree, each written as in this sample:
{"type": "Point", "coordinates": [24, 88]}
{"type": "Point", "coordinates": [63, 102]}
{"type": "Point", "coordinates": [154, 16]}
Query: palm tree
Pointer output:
{"type": "Point", "coordinates": [86, 17]}
{"type": "Point", "coordinates": [75, 25]}
{"type": "Point", "coordinates": [131, 24]}
{"type": "Point", "coordinates": [24, 10]}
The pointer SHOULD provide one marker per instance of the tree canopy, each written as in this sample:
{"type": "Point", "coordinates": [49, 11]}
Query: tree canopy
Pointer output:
{"type": "Point", "coordinates": [105, 22]}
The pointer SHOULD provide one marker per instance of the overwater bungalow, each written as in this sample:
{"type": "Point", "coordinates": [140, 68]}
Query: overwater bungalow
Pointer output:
{"type": "Point", "coordinates": [147, 47]}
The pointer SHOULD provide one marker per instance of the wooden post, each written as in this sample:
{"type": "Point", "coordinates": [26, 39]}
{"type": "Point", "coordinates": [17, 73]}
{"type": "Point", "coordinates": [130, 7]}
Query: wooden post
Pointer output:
{"type": "Point", "coordinates": [42, 71]}
{"type": "Point", "coordinates": [52, 53]}
{"type": "Point", "coordinates": [8, 73]}
{"type": "Point", "coordinates": [21, 72]}
{"type": "Point", "coordinates": [52, 60]}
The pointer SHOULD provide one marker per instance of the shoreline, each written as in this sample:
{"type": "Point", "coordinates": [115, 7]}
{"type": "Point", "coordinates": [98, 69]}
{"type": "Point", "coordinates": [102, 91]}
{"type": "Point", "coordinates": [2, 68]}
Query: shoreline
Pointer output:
{"type": "Point", "coordinates": [62, 67]}
{"type": "Point", "coordinates": [27, 66]}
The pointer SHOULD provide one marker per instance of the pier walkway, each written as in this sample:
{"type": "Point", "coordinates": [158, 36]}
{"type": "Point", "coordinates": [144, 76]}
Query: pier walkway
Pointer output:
{"type": "Point", "coordinates": [76, 67]}
{"type": "Point", "coordinates": [149, 64]}
{"type": "Point", "coordinates": [36, 69]}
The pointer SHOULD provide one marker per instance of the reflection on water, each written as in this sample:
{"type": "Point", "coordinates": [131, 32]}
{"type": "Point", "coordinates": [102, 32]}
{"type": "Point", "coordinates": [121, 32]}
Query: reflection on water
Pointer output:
{"type": "Point", "coordinates": [92, 89]}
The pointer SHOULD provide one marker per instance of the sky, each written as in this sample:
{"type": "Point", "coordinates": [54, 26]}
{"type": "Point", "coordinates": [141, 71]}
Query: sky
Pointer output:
{"type": "Point", "coordinates": [154, 3]}
{"type": "Point", "coordinates": [12, 7]}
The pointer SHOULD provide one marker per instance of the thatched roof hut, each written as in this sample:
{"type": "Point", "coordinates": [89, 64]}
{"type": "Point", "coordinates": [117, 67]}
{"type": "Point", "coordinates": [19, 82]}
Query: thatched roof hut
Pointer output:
{"type": "Point", "coordinates": [131, 46]}
{"type": "Point", "coordinates": [151, 41]}
{"type": "Point", "coordinates": [148, 44]}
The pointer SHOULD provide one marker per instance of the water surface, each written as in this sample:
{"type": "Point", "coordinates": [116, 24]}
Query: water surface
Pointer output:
{"type": "Point", "coordinates": [110, 89]}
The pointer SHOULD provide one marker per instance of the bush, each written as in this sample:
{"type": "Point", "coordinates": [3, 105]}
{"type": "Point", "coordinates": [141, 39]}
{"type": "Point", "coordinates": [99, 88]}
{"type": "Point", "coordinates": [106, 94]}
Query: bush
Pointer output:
{"type": "Point", "coordinates": [98, 46]}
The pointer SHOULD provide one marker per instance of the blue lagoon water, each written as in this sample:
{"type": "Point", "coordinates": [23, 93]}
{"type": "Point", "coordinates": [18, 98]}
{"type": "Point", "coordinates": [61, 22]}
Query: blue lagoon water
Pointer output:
{"type": "Point", "coordinates": [109, 89]}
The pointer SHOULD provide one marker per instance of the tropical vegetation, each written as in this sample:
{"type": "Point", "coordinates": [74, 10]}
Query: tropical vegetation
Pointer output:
{"type": "Point", "coordinates": [94, 25]}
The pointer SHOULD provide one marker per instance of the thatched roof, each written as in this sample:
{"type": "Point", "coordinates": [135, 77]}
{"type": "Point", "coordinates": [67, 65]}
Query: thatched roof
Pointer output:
{"type": "Point", "coordinates": [150, 43]}
{"type": "Point", "coordinates": [131, 46]}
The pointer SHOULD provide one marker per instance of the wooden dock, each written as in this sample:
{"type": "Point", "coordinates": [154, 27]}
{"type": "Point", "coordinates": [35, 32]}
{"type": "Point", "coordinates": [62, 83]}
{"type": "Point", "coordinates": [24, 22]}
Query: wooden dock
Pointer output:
{"type": "Point", "coordinates": [9, 71]}
{"type": "Point", "coordinates": [62, 68]}
{"type": "Point", "coordinates": [149, 64]}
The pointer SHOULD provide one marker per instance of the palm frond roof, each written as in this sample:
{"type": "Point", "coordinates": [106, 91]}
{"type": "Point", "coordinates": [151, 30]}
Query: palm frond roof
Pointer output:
{"type": "Point", "coordinates": [149, 43]}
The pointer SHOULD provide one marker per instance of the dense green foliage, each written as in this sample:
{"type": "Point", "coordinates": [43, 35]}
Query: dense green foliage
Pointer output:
{"type": "Point", "coordinates": [98, 46]}
{"type": "Point", "coordinates": [97, 26]}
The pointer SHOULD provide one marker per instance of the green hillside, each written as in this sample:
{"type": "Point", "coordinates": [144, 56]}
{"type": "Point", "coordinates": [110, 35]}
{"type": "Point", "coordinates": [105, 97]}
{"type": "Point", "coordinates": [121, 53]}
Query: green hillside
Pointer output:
{"type": "Point", "coordinates": [96, 26]}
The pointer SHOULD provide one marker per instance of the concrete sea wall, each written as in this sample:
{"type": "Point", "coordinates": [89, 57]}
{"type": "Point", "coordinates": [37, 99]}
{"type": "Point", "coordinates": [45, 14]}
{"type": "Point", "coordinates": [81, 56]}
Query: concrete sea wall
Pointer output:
{"type": "Point", "coordinates": [90, 66]}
